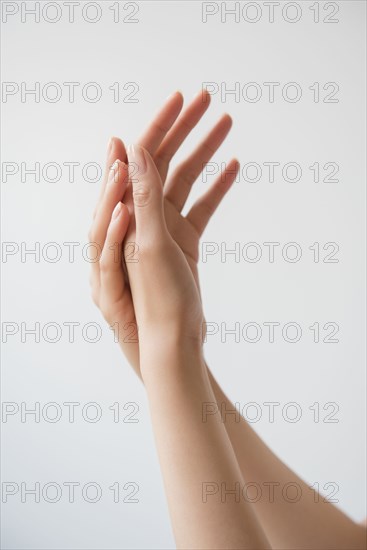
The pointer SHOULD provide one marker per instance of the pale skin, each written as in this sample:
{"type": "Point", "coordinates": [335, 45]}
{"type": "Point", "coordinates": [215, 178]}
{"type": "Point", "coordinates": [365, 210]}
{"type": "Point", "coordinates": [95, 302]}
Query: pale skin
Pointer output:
{"type": "Point", "coordinates": [160, 294]}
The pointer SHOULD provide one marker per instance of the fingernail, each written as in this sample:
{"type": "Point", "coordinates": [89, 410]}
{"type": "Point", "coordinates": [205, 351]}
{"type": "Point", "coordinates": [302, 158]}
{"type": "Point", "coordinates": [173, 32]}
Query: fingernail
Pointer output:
{"type": "Point", "coordinates": [114, 172]}
{"type": "Point", "coordinates": [137, 156]}
{"type": "Point", "coordinates": [117, 211]}
{"type": "Point", "coordinates": [109, 145]}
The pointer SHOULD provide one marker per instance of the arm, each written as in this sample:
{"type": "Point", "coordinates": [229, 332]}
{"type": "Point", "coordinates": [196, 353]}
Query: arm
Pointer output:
{"type": "Point", "coordinates": [193, 454]}
{"type": "Point", "coordinates": [303, 525]}
{"type": "Point", "coordinates": [309, 524]}
{"type": "Point", "coordinates": [169, 315]}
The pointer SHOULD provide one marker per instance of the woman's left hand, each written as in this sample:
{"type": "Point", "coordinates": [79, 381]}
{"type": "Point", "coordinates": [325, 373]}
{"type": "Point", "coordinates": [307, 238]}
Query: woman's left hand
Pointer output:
{"type": "Point", "coordinates": [165, 295]}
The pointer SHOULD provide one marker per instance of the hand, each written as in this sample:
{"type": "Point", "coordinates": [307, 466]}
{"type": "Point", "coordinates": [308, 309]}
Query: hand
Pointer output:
{"type": "Point", "coordinates": [162, 139]}
{"type": "Point", "coordinates": [165, 294]}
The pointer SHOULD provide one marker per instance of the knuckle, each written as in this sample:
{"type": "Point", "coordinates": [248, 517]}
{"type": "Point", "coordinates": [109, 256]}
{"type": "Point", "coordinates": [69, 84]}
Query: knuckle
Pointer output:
{"type": "Point", "coordinates": [92, 235]}
{"type": "Point", "coordinates": [163, 158]}
{"type": "Point", "coordinates": [146, 251]}
{"type": "Point", "coordinates": [185, 177]}
{"type": "Point", "coordinates": [142, 250]}
{"type": "Point", "coordinates": [142, 196]}
{"type": "Point", "coordinates": [131, 252]}
{"type": "Point", "coordinates": [151, 249]}
{"type": "Point", "coordinates": [161, 128]}
{"type": "Point", "coordinates": [207, 209]}
{"type": "Point", "coordinates": [104, 264]}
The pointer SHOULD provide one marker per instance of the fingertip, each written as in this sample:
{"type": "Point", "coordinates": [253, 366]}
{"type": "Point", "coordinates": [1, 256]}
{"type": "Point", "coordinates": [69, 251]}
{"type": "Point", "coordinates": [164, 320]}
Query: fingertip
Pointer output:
{"type": "Point", "coordinates": [119, 169]}
{"type": "Point", "coordinates": [229, 174]}
{"type": "Point", "coordinates": [150, 166]}
{"type": "Point", "coordinates": [121, 165]}
{"type": "Point", "coordinates": [227, 118]}
{"type": "Point", "coordinates": [178, 97]}
{"type": "Point", "coordinates": [140, 158]}
{"type": "Point", "coordinates": [125, 217]}
{"type": "Point", "coordinates": [125, 211]}
{"type": "Point", "coordinates": [172, 108]}
{"type": "Point", "coordinates": [137, 163]}
{"type": "Point", "coordinates": [116, 212]}
{"type": "Point", "coordinates": [116, 148]}
{"type": "Point", "coordinates": [120, 211]}
{"type": "Point", "coordinates": [115, 141]}
{"type": "Point", "coordinates": [119, 222]}
{"type": "Point", "coordinates": [205, 96]}
{"type": "Point", "coordinates": [235, 162]}
{"type": "Point", "coordinates": [175, 95]}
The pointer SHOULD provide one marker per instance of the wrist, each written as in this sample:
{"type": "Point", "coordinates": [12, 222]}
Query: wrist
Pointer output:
{"type": "Point", "coordinates": [171, 339]}
{"type": "Point", "coordinates": [165, 357]}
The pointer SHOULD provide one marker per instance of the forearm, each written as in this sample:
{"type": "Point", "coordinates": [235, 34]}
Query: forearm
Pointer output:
{"type": "Point", "coordinates": [193, 454]}
{"type": "Point", "coordinates": [308, 523]}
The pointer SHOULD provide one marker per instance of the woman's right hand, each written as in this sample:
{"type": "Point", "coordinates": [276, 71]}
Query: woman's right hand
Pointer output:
{"type": "Point", "coordinates": [110, 286]}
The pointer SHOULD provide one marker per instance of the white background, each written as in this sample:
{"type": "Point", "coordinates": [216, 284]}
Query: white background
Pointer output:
{"type": "Point", "coordinates": [169, 48]}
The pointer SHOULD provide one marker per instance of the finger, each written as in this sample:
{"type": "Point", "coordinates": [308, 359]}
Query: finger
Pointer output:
{"type": "Point", "coordinates": [161, 123]}
{"type": "Point", "coordinates": [204, 208]}
{"type": "Point", "coordinates": [179, 132]}
{"type": "Point", "coordinates": [115, 188]}
{"type": "Point", "coordinates": [112, 278]}
{"type": "Point", "coordinates": [147, 193]}
{"type": "Point", "coordinates": [115, 151]}
{"type": "Point", "coordinates": [117, 181]}
{"type": "Point", "coordinates": [179, 186]}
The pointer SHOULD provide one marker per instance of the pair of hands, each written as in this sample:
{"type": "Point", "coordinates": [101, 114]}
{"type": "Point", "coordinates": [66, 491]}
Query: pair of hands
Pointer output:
{"type": "Point", "coordinates": [146, 275]}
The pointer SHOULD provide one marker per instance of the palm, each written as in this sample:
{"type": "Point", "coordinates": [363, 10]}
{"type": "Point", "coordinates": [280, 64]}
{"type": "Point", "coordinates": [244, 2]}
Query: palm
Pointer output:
{"type": "Point", "coordinates": [185, 236]}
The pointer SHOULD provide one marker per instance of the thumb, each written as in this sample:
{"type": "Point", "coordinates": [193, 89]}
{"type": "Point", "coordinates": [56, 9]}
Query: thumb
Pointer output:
{"type": "Point", "coordinates": [147, 191]}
